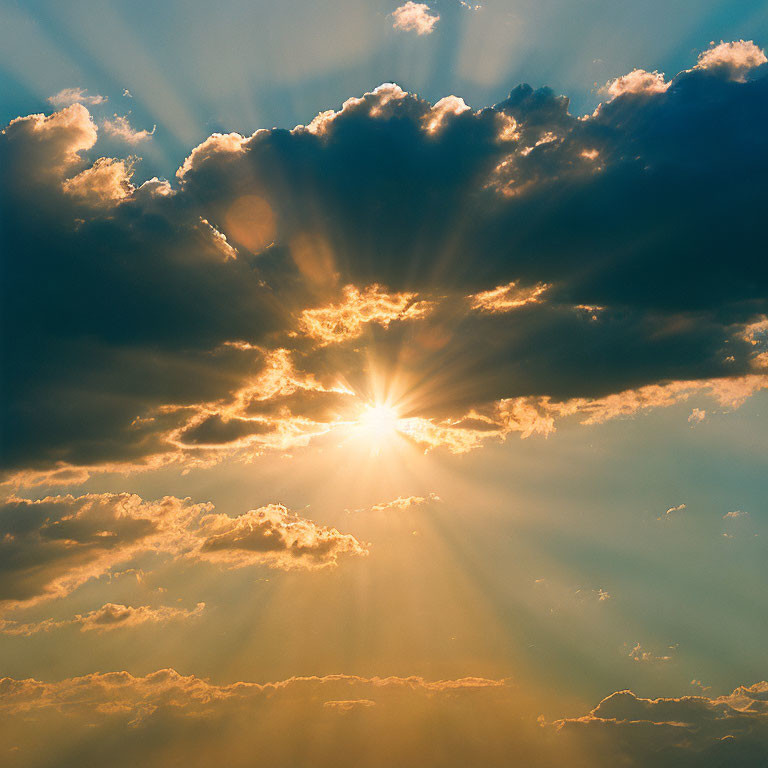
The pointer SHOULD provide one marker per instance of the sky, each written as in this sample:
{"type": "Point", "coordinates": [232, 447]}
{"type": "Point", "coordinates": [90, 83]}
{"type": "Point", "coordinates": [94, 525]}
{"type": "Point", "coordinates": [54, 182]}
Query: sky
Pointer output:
{"type": "Point", "coordinates": [383, 385]}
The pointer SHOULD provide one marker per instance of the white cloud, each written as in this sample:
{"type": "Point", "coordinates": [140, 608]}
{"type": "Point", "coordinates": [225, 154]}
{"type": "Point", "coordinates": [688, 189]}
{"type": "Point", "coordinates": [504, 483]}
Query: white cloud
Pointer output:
{"type": "Point", "coordinates": [68, 96]}
{"type": "Point", "coordinates": [119, 128]}
{"type": "Point", "coordinates": [415, 17]}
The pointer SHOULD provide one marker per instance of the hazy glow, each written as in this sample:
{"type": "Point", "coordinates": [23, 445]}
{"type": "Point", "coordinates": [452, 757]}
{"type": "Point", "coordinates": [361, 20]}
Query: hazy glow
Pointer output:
{"type": "Point", "coordinates": [380, 421]}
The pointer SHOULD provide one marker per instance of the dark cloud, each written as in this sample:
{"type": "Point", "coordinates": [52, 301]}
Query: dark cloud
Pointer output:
{"type": "Point", "coordinates": [684, 732]}
{"type": "Point", "coordinates": [514, 252]}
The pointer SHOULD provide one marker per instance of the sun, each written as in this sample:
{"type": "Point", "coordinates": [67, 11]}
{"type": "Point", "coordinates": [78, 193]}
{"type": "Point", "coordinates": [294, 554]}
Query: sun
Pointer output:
{"type": "Point", "coordinates": [380, 421]}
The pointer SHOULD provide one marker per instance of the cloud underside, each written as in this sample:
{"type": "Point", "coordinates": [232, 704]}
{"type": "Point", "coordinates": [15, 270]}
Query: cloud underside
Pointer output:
{"type": "Point", "coordinates": [50, 547]}
{"type": "Point", "coordinates": [495, 271]}
{"type": "Point", "coordinates": [366, 722]}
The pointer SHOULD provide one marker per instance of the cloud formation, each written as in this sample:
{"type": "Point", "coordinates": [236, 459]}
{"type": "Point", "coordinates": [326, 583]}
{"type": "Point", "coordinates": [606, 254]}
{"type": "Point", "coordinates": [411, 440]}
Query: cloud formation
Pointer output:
{"type": "Point", "coordinates": [687, 731]}
{"type": "Point", "coordinates": [503, 269]}
{"type": "Point", "coordinates": [105, 619]}
{"type": "Point", "coordinates": [367, 721]}
{"type": "Point", "coordinates": [118, 127]}
{"type": "Point", "coordinates": [50, 547]}
{"type": "Point", "coordinates": [415, 17]}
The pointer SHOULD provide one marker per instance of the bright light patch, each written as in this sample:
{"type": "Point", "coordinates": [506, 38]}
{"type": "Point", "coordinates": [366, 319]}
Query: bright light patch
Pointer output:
{"type": "Point", "coordinates": [380, 421]}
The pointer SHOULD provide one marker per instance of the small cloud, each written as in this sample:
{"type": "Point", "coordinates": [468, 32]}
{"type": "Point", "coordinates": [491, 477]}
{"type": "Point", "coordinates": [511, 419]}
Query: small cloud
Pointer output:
{"type": "Point", "coordinates": [127, 94]}
{"type": "Point", "coordinates": [348, 705]}
{"type": "Point", "coordinates": [119, 128]}
{"type": "Point", "coordinates": [404, 502]}
{"type": "Point", "coordinates": [603, 594]}
{"type": "Point", "coordinates": [698, 684]}
{"type": "Point", "coordinates": [697, 416]}
{"type": "Point", "coordinates": [69, 96]}
{"type": "Point", "coordinates": [638, 653]}
{"type": "Point", "coordinates": [414, 17]}
{"type": "Point", "coordinates": [673, 510]}
{"type": "Point", "coordinates": [735, 514]}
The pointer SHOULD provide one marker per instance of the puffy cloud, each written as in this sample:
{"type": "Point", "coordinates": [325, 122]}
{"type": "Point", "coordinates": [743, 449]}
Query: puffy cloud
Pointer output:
{"type": "Point", "coordinates": [734, 59]}
{"type": "Point", "coordinates": [636, 82]}
{"type": "Point", "coordinates": [110, 616]}
{"type": "Point", "coordinates": [508, 268]}
{"type": "Point", "coordinates": [51, 546]}
{"type": "Point", "coordinates": [274, 536]}
{"type": "Point", "coordinates": [118, 127]}
{"type": "Point", "coordinates": [415, 17]}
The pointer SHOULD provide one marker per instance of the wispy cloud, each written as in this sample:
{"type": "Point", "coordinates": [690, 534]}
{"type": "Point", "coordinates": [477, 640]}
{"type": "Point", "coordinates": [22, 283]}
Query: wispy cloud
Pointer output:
{"type": "Point", "coordinates": [69, 96]}
{"type": "Point", "coordinates": [118, 127]}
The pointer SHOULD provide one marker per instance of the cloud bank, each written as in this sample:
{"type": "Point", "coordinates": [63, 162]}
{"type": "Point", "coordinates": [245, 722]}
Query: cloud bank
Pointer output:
{"type": "Point", "coordinates": [505, 268]}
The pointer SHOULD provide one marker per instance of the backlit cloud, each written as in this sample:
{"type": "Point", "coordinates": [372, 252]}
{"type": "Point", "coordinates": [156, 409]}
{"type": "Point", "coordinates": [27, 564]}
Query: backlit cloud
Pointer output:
{"type": "Point", "coordinates": [118, 127]}
{"type": "Point", "coordinates": [105, 619]}
{"type": "Point", "coordinates": [52, 546]}
{"type": "Point", "coordinates": [69, 96]}
{"type": "Point", "coordinates": [510, 268]}
{"type": "Point", "coordinates": [415, 17]}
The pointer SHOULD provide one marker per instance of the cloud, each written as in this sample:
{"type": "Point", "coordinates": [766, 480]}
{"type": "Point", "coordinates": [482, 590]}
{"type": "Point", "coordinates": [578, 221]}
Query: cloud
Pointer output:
{"type": "Point", "coordinates": [120, 718]}
{"type": "Point", "coordinates": [405, 502]}
{"type": "Point", "coordinates": [678, 508]}
{"type": "Point", "coordinates": [274, 536]}
{"type": "Point", "coordinates": [687, 731]}
{"type": "Point", "coordinates": [415, 17]}
{"type": "Point", "coordinates": [735, 59]}
{"type": "Point", "coordinates": [504, 269]}
{"type": "Point", "coordinates": [640, 654]}
{"type": "Point", "coordinates": [349, 705]}
{"type": "Point", "coordinates": [69, 96]}
{"type": "Point", "coordinates": [105, 619]}
{"type": "Point", "coordinates": [637, 82]}
{"type": "Point", "coordinates": [118, 127]}
{"type": "Point", "coordinates": [52, 546]}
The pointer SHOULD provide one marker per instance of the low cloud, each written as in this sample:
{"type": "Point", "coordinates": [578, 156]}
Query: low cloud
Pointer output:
{"type": "Point", "coordinates": [687, 731]}
{"type": "Point", "coordinates": [405, 502]}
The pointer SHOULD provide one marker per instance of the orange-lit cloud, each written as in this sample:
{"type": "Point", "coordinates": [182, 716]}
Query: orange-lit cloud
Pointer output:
{"type": "Point", "coordinates": [109, 617]}
{"type": "Point", "coordinates": [52, 546]}
{"type": "Point", "coordinates": [347, 319]}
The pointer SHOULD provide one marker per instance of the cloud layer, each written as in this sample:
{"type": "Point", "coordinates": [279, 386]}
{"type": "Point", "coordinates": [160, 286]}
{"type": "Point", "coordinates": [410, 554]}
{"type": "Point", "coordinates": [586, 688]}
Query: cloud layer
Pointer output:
{"type": "Point", "coordinates": [349, 720]}
{"type": "Point", "coordinates": [499, 269]}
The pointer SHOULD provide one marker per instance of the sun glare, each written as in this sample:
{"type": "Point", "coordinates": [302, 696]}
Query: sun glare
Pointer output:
{"type": "Point", "coordinates": [379, 421]}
